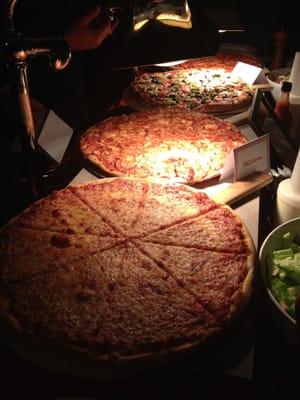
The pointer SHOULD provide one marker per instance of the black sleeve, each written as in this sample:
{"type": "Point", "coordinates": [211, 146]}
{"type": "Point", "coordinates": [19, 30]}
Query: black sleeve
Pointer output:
{"type": "Point", "coordinates": [49, 17]}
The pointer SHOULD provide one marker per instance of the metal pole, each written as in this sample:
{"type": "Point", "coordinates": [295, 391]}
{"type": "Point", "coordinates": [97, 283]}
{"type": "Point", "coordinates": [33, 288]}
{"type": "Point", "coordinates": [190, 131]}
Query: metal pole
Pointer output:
{"type": "Point", "coordinates": [25, 125]}
{"type": "Point", "coordinates": [17, 50]}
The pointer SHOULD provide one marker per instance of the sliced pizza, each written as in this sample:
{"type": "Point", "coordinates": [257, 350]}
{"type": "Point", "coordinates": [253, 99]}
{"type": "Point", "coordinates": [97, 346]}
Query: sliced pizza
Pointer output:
{"type": "Point", "coordinates": [115, 304]}
{"type": "Point", "coordinates": [137, 296]}
{"type": "Point", "coordinates": [66, 213]}
{"type": "Point", "coordinates": [26, 252]}
{"type": "Point", "coordinates": [152, 207]}
{"type": "Point", "coordinates": [217, 230]}
{"type": "Point", "coordinates": [218, 280]}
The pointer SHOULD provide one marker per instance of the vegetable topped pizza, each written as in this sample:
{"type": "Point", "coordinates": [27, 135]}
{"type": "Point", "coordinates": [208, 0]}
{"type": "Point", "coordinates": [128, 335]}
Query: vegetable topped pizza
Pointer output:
{"type": "Point", "coordinates": [205, 84]}
{"type": "Point", "coordinates": [206, 90]}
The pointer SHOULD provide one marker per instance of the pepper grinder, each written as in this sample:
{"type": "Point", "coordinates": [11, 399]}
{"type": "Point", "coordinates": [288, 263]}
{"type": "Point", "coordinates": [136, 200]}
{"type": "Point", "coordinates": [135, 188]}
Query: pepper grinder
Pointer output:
{"type": "Point", "coordinates": [280, 41]}
{"type": "Point", "coordinates": [288, 196]}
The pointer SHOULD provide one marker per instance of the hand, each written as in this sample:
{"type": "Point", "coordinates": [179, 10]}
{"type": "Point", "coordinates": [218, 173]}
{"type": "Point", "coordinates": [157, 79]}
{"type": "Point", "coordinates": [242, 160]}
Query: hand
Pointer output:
{"type": "Point", "coordinates": [90, 31]}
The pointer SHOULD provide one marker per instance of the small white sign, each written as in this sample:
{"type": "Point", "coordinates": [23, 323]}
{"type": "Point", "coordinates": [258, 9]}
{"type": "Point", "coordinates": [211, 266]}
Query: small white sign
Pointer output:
{"type": "Point", "coordinates": [253, 156]}
{"type": "Point", "coordinates": [228, 169]}
{"type": "Point", "coordinates": [249, 73]}
{"type": "Point", "coordinates": [55, 136]}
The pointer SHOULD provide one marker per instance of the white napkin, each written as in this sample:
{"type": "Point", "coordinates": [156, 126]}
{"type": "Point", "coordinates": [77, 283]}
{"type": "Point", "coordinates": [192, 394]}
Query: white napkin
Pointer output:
{"type": "Point", "coordinates": [295, 178]}
{"type": "Point", "coordinates": [55, 136]}
{"type": "Point", "coordinates": [295, 75]}
{"type": "Point", "coordinates": [249, 73]}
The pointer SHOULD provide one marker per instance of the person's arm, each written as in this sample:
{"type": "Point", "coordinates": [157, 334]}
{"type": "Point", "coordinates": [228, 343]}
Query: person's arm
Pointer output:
{"type": "Point", "coordinates": [90, 30]}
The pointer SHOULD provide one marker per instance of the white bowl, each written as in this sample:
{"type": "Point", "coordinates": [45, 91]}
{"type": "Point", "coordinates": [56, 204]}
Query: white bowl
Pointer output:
{"type": "Point", "coordinates": [285, 323]}
{"type": "Point", "coordinates": [275, 73]}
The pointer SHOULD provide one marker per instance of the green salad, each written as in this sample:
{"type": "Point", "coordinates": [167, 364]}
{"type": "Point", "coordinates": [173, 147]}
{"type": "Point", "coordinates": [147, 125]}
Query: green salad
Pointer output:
{"type": "Point", "coordinates": [284, 272]}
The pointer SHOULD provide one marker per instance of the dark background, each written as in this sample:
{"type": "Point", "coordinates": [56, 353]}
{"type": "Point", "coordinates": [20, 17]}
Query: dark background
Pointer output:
{"type": "Point", "coordinates": [90, 84]}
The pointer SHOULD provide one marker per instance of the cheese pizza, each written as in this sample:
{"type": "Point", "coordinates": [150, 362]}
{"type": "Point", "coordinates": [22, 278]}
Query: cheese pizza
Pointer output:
{"type": "Point", "coordinates": [177, 145]}
{"type": "Point", "coordinates": [122, 271]}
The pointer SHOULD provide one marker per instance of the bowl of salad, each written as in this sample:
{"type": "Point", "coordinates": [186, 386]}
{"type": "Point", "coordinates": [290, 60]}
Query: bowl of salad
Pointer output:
{"type": "Point", "coordinates": [279, 258]}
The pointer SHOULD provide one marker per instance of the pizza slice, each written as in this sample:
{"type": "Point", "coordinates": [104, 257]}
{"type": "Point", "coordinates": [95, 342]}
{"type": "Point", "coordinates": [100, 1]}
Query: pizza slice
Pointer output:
{"type": "Point", "coordinates": [144, 309]}
{"type": "Point", "coordinates": [166, 205]}
{"type": "Point", "coordinates": [64, 212]}
{"type": "Point", "coordinates": [112, 198]}
{"type": "Point", "coordinates": [217, 230]}
{"type": "Point", "coordinates": [152, 205]}
{"type": "Point", "coordinates": [26, 252]}
{"type": "Point", "coordinates": [219, 281]}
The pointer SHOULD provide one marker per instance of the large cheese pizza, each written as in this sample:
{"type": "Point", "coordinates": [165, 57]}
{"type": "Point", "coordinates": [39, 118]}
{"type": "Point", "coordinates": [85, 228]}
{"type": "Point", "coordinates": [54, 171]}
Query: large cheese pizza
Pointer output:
{"type": "Point", "coordinates": [203, 84]}
{"type": "Point", "coordinates": [122, 271]}
{"type": "Point", "coordinates": [178, 145]}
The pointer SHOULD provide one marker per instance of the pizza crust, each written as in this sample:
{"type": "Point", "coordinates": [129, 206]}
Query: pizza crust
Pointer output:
{"type": "Point", "coordinates": [81, 361]}
{"type": "Point", "coordinates": [240, 300]}
{"type": "Point", "coordinates": [77, 362]}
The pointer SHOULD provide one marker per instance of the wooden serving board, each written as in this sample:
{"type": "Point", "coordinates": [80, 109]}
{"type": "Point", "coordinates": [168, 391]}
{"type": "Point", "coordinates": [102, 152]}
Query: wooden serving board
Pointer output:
{"type": "Point", "coordinates": [241, 189]}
